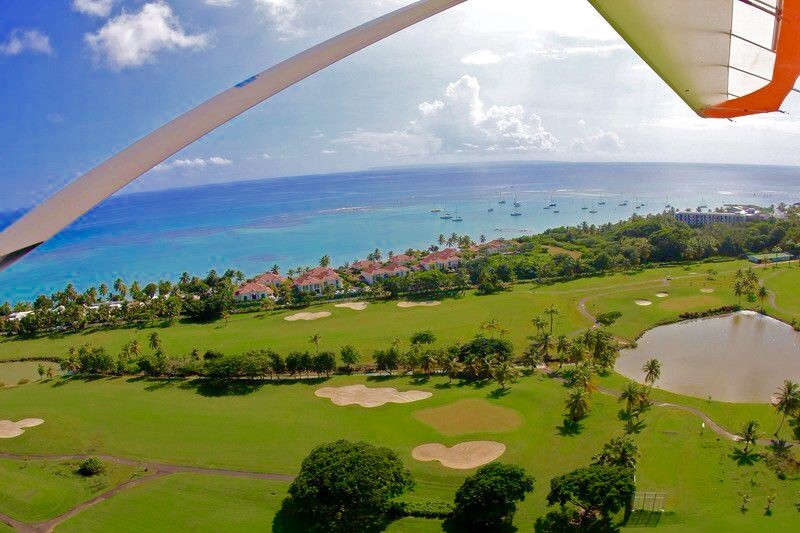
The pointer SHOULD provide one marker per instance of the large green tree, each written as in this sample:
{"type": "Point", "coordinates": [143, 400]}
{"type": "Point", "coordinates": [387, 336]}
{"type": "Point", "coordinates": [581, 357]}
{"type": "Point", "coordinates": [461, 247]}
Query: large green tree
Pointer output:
{"type": "Point", "coordinates": [346, 486]}
{"type": "Point", "coordinates": [596, 492]}
{"type": "Point", "coordinates": [488, 499]}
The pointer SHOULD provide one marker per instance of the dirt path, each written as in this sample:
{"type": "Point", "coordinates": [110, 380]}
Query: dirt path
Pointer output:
{"type": "Point", "coordinates": [155, 471]}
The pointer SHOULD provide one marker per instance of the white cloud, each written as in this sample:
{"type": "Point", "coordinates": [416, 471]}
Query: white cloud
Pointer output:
{"type": "Point", "coordinates": [565, 52]}
{"type": "Point", "coordinates": [220, 3]}
{"type": "Point", "coordinates": [197, 163]}
{"type": "Point", "coordinates": [460, 122]}
{"type": "Point", "coordinates": [283, 14]}
{"type": "Point", "coordinates": [94, 8]}
{"type": "Point", "coordinates": [131, 40]}
{"type": "Point", "coordinates": [482, 57]}
{"type": "Point", "coordinates": [329, 152]}
{"type": "Point", "coordinates": [20, 41]}
{"type": "Point", "coordinates": [595, 140]}
{"type": "Point", "coordinates": [266, 156]}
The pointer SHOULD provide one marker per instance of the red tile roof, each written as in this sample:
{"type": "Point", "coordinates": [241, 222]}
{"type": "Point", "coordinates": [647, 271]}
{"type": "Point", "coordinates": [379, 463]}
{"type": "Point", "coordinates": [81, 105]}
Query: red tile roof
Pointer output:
{"type": "Point", "coordinates": [318, 275]}
{"type": "Point", "coordinates": [385, 269]}
{"type": "Point", "coordinates": [441, 256]}
{"type": "Point", "coordinates": [254, 287]}
{"type": "Point", "coordinates": [364, 264]}
{"type": "Point", "coordinates": [270, 277]}
{"type": "Point", "coordinates": [402, 258]}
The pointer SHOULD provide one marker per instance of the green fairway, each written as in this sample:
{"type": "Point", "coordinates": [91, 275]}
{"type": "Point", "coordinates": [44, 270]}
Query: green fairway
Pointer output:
{"type": "Point", "coordinates": [272, 429]}
{"type": "Point", "coordinates": [33, 491]}
{"type": "Point", "coordinates": [186, 502]}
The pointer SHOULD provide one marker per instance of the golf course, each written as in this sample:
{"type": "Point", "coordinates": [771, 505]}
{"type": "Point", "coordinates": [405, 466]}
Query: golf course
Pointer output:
{"type": "Point", "coordinates": [186, 456]}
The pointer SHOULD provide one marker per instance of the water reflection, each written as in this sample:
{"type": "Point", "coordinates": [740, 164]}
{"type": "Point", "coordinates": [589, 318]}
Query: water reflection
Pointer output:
{"type": "Point", "coordinates": [737, 358]}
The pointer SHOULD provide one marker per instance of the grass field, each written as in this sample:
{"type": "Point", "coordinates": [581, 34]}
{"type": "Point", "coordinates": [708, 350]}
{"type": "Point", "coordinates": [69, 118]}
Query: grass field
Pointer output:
{"type": "Point", "coordinates": [269, 427]}
{"type": "Point", "coordinates": [33, 491]}
{"type": "Point", "coordinates": [272, 429]}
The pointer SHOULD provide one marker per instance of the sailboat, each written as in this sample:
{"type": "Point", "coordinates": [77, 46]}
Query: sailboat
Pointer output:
{"type": "Point", "coordinates": [446, 216]}
{"type": "Point", "coordinates": [667, 205]}
{"type": "Point", "coordinates": [435, 209]}
{"type": "Point", "coordinates": [601, 203]}
{"type": "Point", "coordinates": [502, 200]}
{"type": "Point", "coordinates": [593, 210]}
{"type": "Point", "coordinates": [515, 212]}
{"type": "Point", "coordinates": [584, 208]}
{"type": "Point", "coordinates": [702, 205]}
{"type": "Point", "coordinates": [491, 209]}
{"type": "Point", "coordinates": [457, 217]}
{"type": "Point", "coordinates": [516, 202]}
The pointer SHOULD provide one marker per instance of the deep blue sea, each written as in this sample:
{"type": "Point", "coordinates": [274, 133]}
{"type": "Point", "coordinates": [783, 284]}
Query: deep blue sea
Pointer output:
{"type": "Point", "coordinates": [294, 221]}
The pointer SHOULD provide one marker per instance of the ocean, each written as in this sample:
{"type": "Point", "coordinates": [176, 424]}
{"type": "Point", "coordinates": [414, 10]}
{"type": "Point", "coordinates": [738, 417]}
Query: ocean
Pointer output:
{"type": "Point", "coordinates": [294, 221]}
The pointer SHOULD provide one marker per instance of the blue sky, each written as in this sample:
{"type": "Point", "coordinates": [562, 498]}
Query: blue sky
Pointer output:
{"type": "Point", "coordinates": [489, 80]}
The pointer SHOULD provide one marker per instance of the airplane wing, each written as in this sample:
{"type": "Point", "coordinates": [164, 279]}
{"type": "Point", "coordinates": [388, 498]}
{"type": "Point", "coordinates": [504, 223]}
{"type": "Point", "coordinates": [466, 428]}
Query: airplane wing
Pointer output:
{"type": "Point", "coordinates": [724, 58]}
{"type": "Point", "coordinates": [71, 202]}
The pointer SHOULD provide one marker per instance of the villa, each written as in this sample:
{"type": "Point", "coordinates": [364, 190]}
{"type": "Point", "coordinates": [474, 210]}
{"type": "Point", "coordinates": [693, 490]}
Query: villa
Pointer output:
{"type": "Point", "coordinates": [359, 266]}
{"type": "Point", "coordinates": [448, 258]}
{"type": "Point", "coordinates": [253, 291]}
{"type": "Point", "coordinates": [497, 246]}
{"type": "Point", "coordinates": [271, 279]}
{"type": "Point", "coordinates": [376, 273]}
{"type": "Point", "coordinates": [317, 279]}
{"type": "Point", "coordinates": [402, 259]}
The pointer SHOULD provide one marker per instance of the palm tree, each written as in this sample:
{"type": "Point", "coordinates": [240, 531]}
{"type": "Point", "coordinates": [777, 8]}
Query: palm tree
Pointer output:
{"type": "Point", "coordinates": [538, 323]}
{"type": "Point", "coordinates": [185, 278]}
{"type": "Point", "coordinates": [482, 238]}
{"type": "Point", "coordinates": [121, 288]}
{"type": "Point", "coordinates": [103, 290]}
{"type": "Point", "coordinates": [551, 312]}
{"type": "Point", "coordinates": [544, 345]}
{"type": "Point", "coordinates": [504, 372]}
{"type": "Point", "coordinates": [749, 435]}
{"type": "Point", "coordinates": [738, 289]}
{"type": "Point", "coordinates": [788, 401]}
{"type": "Point", "coordinates": [763, 294]}
{"type": "Point", "coordinates": [652, 371]}
{"type": "Point", "coordinates": [491, 326]}
{"type": "Point", "coordinates": [135, 348]}
{"type": "Point", "coordinates": [631, 394]}
{"type": "Point", "coordinates": [578, 404]}
{"type": "Point", "coordinates": [315, 339]}
{"type": "Point", "coordinates": [619, 451]}
{"type": "Point", "coordinates": [562, 348]}
{"type": "Point", "coordinates": [441, 239]}
{"type": "Point", "coordinates": [325, 261]}
{"type": "Point", "coordinates": [452, 367]}
{"type": "Point", "coordinates": [154, 341]}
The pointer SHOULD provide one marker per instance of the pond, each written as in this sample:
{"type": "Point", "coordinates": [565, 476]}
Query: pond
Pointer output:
{"type": "Point", "coordinates": [742, 357]}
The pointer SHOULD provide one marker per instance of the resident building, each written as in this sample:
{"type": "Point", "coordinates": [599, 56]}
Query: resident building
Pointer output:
{"type": "Point", "coordinates": [704, 219]}
{"type": "Point", "coordinates": [360, 266]}
{"type": "Point", "coordinates": [253, 291]}
{"type": "Point", "coordinates": [497, 246]}
{"type": "Point", "coordinates": [769, 258]}
{"type": "Point", "coordinates": [448, 258]}
{"type": "Point", "coordinates": [317, 279]}
{"type": "Point", "coordinates": [271, 279]}
{"type": "Point", "coordinates": [376, 273]}
{"type": "Point", "coordinates": [402, 259]}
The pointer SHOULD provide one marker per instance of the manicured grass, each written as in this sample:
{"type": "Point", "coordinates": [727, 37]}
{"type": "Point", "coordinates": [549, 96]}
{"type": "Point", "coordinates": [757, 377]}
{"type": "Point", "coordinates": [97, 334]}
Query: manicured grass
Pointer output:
{"type": "Point", "coordinates": [33, 491]}
{"type": "Point", "coordinates": [470, 416]}
{"type": "Point", "coordinates": [381, 323]}
{"type": "Point", "coordinates": [186, 502]}
{"type": "Point", "coordinates": [273, 428]}
{"type": "Point", "coordinates": [784, 281]}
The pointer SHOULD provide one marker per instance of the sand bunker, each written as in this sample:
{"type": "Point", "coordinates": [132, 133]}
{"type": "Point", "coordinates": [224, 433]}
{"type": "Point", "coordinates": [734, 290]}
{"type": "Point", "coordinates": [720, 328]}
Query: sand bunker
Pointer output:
{"type": "Point", "coordinates": [462, 456]}
{"type": "Point", "coordinates": [9, 429]}
{"type": "Point", "coordinates": [367, 397]}
{"type": "Point", "coordinates": [643, 303]}
{"type": "Point", "coordinates": [355, 306]}
{"type": "Point", "coordinates": [707, 290]}
{"type": "Point", "coordinates": [418, 304]}
{"type": "Point", "coordinates": [308, 316]}
{"type": "Point", "coordinates": [662, 294]}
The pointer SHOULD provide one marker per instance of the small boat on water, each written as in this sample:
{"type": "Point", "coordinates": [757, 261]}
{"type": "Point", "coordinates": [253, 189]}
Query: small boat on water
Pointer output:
{"type": "Point", "coordinates": [601, 203]}
{"type": "Point", "coordinates": [516, 202]}
{"type": "Point", "coordinates": [515, 212]}
{"type": "Point", "coordinates": [556, 211]}
{"type": "Point", "coordinates": [584, 208]}
{"type": "Point", "coordinates": [457, 217]}
{"type": "Point", "coordinates": [435, 209]}
{"type": "Point", "coordinates": [446, 216]}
